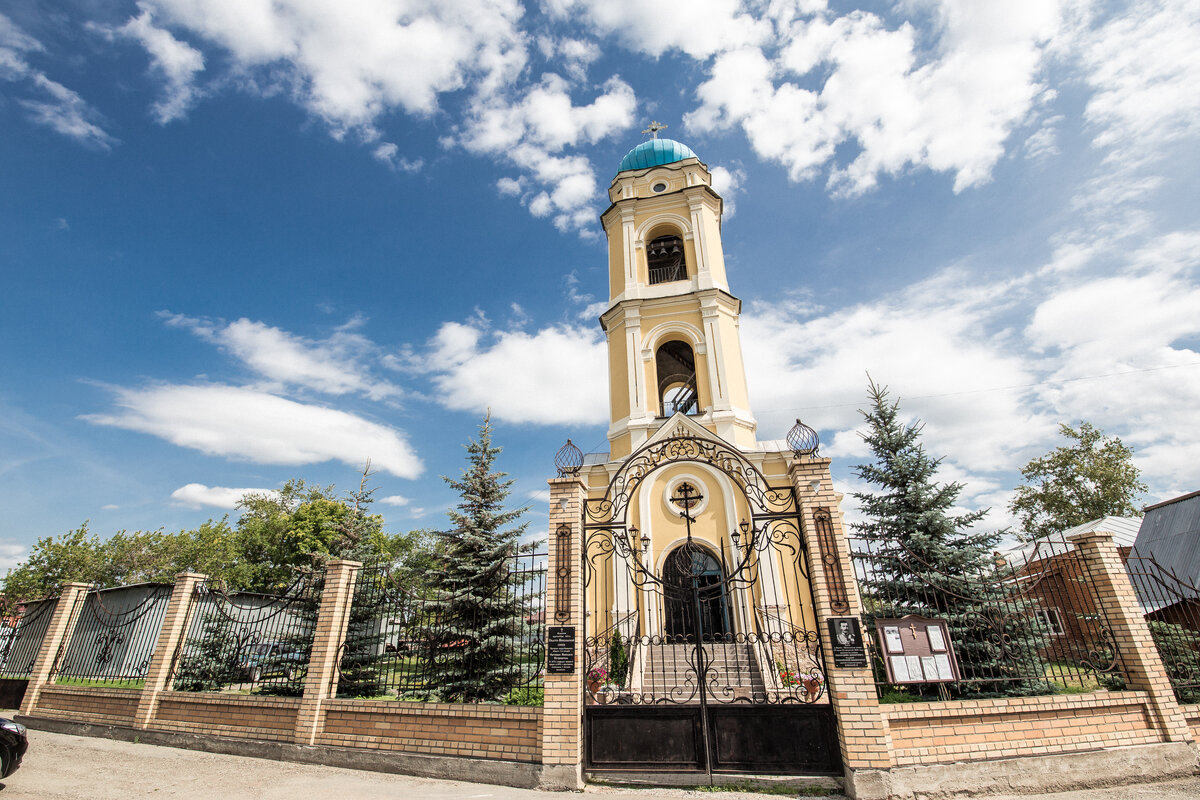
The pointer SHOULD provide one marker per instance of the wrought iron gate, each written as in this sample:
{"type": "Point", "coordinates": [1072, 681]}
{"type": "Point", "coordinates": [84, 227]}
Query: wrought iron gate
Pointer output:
{"type": "Point", "coordinates": [702, 654]}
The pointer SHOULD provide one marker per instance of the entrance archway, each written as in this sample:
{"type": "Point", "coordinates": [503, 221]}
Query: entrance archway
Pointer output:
{"type": "Point", "coordinates": [710, 658]}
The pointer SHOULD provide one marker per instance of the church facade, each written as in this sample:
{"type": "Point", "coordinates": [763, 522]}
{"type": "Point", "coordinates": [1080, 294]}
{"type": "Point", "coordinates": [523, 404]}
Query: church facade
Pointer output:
{"type": "Point", "coordinates": [697, 574]}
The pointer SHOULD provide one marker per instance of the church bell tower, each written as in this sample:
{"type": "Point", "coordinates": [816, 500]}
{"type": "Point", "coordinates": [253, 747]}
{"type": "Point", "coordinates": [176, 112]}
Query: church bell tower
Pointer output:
{"type": "Point", "coordinates": [672, 324]}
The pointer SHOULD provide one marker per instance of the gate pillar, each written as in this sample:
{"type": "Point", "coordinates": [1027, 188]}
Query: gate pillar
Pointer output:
{"type": "Point", "coordinates": [562, 713]}
{"type": "Point", "coordinates": [862, 731]}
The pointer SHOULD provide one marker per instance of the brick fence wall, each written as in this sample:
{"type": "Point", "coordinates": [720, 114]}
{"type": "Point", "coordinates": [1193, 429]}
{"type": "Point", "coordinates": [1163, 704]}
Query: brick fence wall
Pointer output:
{"type": "Point", "coordinates": [469, 733]}
{"type": "Point", "coordinates": [887, 749]}
{"type": "Point", "coordinates": [970, 730]}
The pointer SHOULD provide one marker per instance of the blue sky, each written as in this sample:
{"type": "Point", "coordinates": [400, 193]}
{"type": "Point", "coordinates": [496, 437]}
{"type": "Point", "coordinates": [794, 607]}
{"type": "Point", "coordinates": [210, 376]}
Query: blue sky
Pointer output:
{"type": "Point", "coordinates": [243, 241]}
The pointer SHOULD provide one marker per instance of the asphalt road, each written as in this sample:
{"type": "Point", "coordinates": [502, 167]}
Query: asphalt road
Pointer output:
{"type": "Point", "coordinates": [61, 767]}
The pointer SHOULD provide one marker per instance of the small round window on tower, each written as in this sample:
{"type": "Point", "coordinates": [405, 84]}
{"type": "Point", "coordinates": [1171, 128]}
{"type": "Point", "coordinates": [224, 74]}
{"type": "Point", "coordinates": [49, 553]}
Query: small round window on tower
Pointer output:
{"type": "Point", "coordinates": [659, 187]}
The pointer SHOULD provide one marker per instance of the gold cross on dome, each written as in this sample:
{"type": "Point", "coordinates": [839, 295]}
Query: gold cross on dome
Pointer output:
{"type": "Point", "coordinates": [654, 128]}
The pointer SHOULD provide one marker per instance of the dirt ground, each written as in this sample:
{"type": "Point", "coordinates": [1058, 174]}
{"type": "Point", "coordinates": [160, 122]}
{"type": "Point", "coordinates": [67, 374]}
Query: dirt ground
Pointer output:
{"type": "Point", "coordinates": [61, 767]}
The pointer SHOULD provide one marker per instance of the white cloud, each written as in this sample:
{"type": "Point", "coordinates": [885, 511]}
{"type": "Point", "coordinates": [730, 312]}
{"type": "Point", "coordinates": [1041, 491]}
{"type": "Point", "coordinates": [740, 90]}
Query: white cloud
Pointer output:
{"type": "Point", "coordinates": [728, 183]}
{"type": "Point", "coordinates": [531, 132]}
{"type": "Point", "coordinates": [940, 337]}
{"type": "Point", "coordinates": [698, 28]}
{"type": "Point", "coordinates": [1144, 67]}
{"type": "Point", "coordinates": [12, 554]}
{"type": "Point", "coordinates": [395, 500]}
{"type": "Point", "coordinates": [175, 62]}
{"type": "Point", "coordinates": [52, 105]}
{"type": "Point", "coordinates": [242, 423]}
{"type": "Point", "coordinates": [335, 365]}
{"type": "Point", "coordinates": [950, 110]}
{"type": "Point", "coordinates": [196, 495]}
{"type": "Point", "coordinates": [351, 63]}
{"type": "Point", "coordinates": [556, 376]}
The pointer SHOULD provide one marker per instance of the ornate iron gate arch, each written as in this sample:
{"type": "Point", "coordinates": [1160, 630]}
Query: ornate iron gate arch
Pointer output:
{"type": "Point", "coordinates": [707, 693]}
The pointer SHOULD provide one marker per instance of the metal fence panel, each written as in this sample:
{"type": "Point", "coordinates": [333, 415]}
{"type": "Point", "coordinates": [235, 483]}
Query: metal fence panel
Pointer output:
{"type": "Point", "coordinates": [1027, 623]}
{"type": "Point", "coordinates": [21, 643]}
{"type": "Point", "coordinates": [1171, 604]}
{"type": "Point", "coordinates": [115, 636]}
{"type": "Point", "coordinates": [250, 642]}
{"type": "Point", "coordinates": [407, 640]}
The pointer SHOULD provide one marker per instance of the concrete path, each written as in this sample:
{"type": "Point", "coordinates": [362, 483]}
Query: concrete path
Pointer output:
{"type": "Point", "coordinates": [61, 767]}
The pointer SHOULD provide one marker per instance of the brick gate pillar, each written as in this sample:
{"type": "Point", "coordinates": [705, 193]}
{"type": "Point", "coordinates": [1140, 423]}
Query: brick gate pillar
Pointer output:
{"type": "Point", "coordinates": [333, 618]}
{"type": "Point", "coordinates": [57, 638]}
{"type": "Point", "coordinates": [862, 730]}
{"type": "Point", "coordinates": [562, 713]}
{"type": "Point", "coordinates": [1144, 668]}
{"type": "Point", "coordinates": [170, 638]}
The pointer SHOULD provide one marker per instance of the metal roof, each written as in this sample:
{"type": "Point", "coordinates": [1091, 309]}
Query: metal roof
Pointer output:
{"type": "Point", "coordinates": [1170, 534]}
{"type": "Point", "coordinates": [1123, 529]}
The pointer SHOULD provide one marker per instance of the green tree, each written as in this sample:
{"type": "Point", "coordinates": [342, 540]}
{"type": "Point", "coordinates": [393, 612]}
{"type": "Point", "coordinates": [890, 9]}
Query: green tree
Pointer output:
{"type": "Point", "coordinates": [77, 555]}
{"type": "Point", "coordinates": [1092, 477]}
{"type": "Point", "coordinates": [477, 608]}
{"type": "Point", "coordinates": [927, 560]}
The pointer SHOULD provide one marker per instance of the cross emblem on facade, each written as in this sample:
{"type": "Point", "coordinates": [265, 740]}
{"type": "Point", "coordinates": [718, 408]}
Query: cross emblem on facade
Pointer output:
{"type": "Point", "coordinates": [654, 128]}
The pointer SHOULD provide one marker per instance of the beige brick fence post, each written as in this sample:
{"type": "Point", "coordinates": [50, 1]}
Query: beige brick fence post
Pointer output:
{"type": "Point", "coordinates": [1144, 669]}
{"type": "Point", "coordinates": [562, 713]}
{"type": "Point", "coordinates": [333, 617]}
{"type": "Point", "coordinates": [57, 638]}
{"type": "Point", "coordinates": [170, 636]}
{"type": "Point", "coordinates": [862, 731]}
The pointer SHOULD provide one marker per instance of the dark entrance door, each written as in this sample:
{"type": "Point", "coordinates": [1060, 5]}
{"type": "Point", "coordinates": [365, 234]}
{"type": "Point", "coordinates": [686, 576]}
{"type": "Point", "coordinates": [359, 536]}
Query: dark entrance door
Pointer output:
{"type": "Point", "coordinates": [686, 564]}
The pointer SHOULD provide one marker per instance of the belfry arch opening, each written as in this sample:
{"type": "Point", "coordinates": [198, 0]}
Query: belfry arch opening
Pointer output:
{"type": "Point", "coordinates": [665, 258]}
{"type": "Point", "coordinates": [675, 363]}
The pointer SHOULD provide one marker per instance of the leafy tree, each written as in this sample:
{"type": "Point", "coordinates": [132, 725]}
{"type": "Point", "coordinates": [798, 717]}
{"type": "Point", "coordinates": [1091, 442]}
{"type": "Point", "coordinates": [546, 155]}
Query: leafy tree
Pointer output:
{"type": "Point", "coordinates": [77, 555]}
{"type": "Point", "coordinates": [927, 560]}
{"type": "Point", "coordinates": [478, 609]}
{"type": "Point", "coordinates": [1092, 477]}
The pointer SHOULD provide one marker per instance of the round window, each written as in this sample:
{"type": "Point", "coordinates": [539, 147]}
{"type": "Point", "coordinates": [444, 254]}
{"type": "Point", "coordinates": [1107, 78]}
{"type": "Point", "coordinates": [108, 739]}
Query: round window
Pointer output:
{"type": "Point", "coordinates": [659, 187]}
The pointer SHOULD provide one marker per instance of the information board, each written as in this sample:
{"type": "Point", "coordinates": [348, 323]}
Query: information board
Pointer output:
{"type": "Point", "coordinates": [560, 649]}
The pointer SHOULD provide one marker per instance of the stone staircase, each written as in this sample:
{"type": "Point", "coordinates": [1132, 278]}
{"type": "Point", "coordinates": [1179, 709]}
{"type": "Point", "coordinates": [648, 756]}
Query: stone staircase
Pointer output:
{"type": "Point", "coordinates": [732, 671]}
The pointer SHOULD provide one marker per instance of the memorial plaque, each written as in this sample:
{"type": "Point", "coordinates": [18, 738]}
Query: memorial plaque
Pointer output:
{"type": "Point", "coordinates": [846, 636]}
{"type": "Point", "coordinates": [560, 649]}
{"type": "Point", "coordinates": [917, 650]}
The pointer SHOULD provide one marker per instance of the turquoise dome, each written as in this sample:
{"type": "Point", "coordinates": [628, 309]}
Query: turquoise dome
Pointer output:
{"type": "Point", "coordinates": [655, 153]}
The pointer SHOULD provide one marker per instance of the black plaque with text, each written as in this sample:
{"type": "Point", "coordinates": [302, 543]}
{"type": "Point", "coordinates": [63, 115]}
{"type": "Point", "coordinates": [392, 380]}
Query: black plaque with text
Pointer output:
{"type": "Point", "coordinates": [847, 643]}
{"type": "Point", "coordinates": [560, 649]}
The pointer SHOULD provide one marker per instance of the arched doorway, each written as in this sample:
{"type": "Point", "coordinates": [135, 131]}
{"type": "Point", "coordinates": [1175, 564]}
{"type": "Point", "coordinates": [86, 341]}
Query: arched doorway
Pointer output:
{"type": "Point", "coordinates": [692, 566]}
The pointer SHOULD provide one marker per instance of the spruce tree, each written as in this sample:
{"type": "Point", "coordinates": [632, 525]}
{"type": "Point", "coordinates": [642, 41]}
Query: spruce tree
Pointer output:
{"type": "Point", "coordinates": [477, 613]}
{"type": "Point", "coordinates": [925, 560]}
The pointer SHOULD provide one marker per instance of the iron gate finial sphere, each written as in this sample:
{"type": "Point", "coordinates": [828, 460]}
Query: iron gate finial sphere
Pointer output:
{"type": "Point", "coordinates": [568, 460]}
{"type": "Point", "coordinates": [803, 440]}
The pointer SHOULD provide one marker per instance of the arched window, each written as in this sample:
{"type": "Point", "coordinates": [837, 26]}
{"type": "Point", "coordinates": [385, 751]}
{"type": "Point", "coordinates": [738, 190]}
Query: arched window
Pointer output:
{"type": "Point", "coordinates": [676, 367]}
{"type": "Point", "coordinates": [664, 257]}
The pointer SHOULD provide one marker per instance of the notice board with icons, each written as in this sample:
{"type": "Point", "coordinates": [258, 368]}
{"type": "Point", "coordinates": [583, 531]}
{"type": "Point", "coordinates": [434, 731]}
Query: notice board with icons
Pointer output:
{"type": "Point", "coordinates": [917, 650]}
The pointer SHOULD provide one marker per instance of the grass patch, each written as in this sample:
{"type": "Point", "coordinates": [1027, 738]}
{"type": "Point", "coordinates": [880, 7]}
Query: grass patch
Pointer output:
{"type": "Point", "coordinates": [110, 683]}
